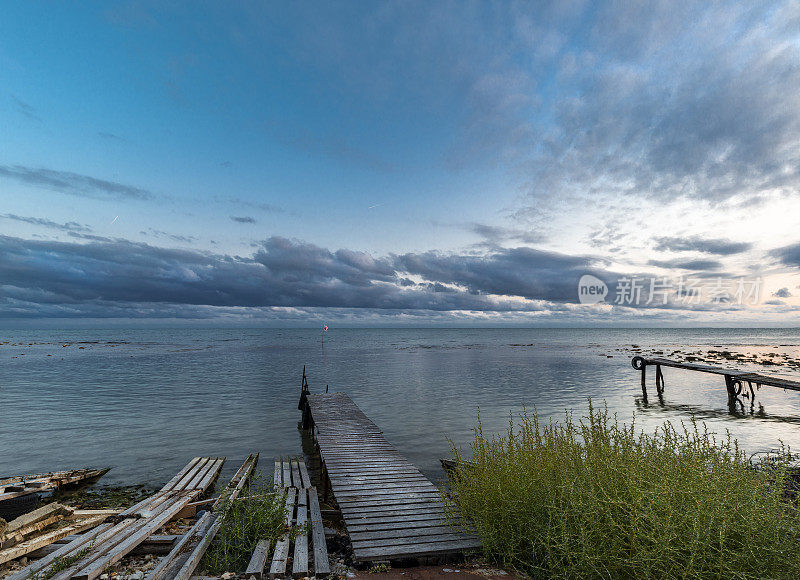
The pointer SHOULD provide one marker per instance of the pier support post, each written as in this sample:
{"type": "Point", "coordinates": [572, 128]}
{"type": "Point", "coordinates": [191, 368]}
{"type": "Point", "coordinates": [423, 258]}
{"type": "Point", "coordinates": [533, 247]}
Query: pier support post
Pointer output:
{"type": "Point", "coordinates": [659, 380]}
{"type": "Point", "coordinates": [639, 364]}
{"type": "Point", "coordinates": [734, 387]}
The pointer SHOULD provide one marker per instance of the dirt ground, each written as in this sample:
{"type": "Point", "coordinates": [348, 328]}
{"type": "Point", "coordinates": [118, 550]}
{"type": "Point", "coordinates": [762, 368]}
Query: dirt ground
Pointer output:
{"type": "Point", "coordinates": [469, 572]}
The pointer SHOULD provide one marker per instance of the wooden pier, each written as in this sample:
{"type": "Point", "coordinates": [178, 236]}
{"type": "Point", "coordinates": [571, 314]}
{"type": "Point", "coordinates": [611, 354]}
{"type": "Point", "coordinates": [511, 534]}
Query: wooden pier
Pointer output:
{"type": "Point", "coordinates": [390, 509]}
{"type": "Point", "coordinates": [734, 380]}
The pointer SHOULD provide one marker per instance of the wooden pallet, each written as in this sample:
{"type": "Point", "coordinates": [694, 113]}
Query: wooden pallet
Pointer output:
{"type": "Point", "coordinates": [390, 509]}
{"type": "Point", "coordinates": [291, 472]}
{"type": "Point", "coordinates": [181, 562]}
{"type": "Point", "coordinates": [308, 550]}
{"type": "Point", "coordinates": [108, 543]}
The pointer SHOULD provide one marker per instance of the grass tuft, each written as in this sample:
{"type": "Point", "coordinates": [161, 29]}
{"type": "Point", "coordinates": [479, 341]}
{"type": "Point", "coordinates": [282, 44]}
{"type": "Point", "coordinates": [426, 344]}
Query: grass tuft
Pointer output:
{"type": "Point", "coordinates": [61, 563]}
{"type": "Point", "coordinates": [593, 499]}
{"type": "Point", "coordinates": [258, 514]}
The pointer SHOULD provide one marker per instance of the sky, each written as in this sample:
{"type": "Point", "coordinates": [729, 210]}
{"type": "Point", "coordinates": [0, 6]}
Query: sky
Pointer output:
{"type": "Point", "coordinates": [465, 163]}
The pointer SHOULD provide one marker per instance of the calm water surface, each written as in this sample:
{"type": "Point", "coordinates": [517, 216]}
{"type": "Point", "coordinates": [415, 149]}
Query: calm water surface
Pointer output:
{"type": "Point", "coordinates": [146, 401]}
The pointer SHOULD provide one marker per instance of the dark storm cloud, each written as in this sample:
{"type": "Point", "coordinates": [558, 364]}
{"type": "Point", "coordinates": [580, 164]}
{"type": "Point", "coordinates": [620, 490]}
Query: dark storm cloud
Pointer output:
{"type": "Point", "coordinates": [788, 255]}
{"type": "Point", "coordinates": [137, 279]}
{"type": "Point", "coordinates": [282, 273]}
{"type": "Point", "coordinates": [525, 272]}
{"type": "Point", "coordinates": [682, 264]}
{"type": "Point", "coordinates": [46, 223]}
{"type": "Point", "coordinates": [243, 219]}
{"type": "Point", "coordinates": [782, 293]}
{"type": "Point", "coordinates": [717, 246]}
{"type": "Point", "coordinates": [73, 183]}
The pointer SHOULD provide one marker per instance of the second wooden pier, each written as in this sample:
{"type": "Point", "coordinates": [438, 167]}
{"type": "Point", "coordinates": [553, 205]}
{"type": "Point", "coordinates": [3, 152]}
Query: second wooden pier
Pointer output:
{"type": "Point", "coordinates": [734, 379]}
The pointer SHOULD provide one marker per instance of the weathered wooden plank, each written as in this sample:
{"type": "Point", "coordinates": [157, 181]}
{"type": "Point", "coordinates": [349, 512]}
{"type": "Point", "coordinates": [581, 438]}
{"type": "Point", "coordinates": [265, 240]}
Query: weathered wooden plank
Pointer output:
{"type": "Point", "coordinates": [197, 554]}
{"type": "Point", "coordinates": [334, 469]}
{"type": "Point", "coordinates": [296, 481]}
{"type": "Point", "coordinates": [304, 477]}
{"type": "Point", "coordinates": [361, 536]}
{"type": "Point", "coordinates": [287, 474]}
{"type": "Point", "coordinates": [182, 473]}
{"type": "Point", "coordinates": [322, 566]}
{"type": "Point", "coordinates": [278, 479]}
{"type": "Point", "coordinates": [394, 497]}
{"type": "Point", "coordinates": [75, 545]}
{"type": "Point", "coordinates": [255, 569]}
{"type": "Point", "coordinates": [281, 554]}
{"type": "Point", "coordinates": [191, 475]}
{"type": "Point", "coordinates": [194, 534]}
{"type": "Point", "coordinates": [404, 527]}
{"type": "Point", "coordinates": [395, 523]}
{"type": "Point", "coordinates": [32, 544]}
{"type": "Point", "coordinates": [378, 501]}
{"type": "Point", "coordinates": [387, 477]}
{"type": "Point", "coordinates": [403, 541]}
{"type": "Point", "coordinates": [385, 486]}
{"type": "Point", "coordinates": [98, 566]}
{"type": "Point", "coordinates": [300, 559]}
{"type": "Point", "coordinates": [120, 532]}
{"type": "Point", "coordinates": [415, 550]}
{"type": "Point", "coordinates": [396, 510]}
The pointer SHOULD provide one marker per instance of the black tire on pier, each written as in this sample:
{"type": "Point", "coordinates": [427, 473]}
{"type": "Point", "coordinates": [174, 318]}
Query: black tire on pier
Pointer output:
{"type": "Point", "coordinates": [17, 506]}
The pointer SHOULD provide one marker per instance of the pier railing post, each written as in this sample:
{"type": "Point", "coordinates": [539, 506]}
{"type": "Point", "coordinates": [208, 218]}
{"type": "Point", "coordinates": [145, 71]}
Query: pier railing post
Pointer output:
{"type": "Point", "coordinates": [303, 403]}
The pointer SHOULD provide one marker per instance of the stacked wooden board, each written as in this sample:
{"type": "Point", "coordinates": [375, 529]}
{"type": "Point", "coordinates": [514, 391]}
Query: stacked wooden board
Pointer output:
{"type": "Point", "coordinates": [181, 562]}
{"type": "Point", "coordinates": [79, 522]}
{"type": "Point", "coordinates": [303, 516]}
{"type": "Point", "coordinates": [91, 553]}
{"type": "Point", "coordinates": [390, 509]}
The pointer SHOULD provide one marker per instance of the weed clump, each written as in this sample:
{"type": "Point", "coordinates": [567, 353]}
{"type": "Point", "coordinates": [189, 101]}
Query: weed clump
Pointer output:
{"type": "Point", "coordinates": [593, 499]}
{"type": "Point", "coordinates": [257, 514]}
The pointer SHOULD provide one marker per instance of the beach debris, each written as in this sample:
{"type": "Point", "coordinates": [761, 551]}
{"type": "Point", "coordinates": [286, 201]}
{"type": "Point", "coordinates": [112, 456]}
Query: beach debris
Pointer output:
{"type": "Point", "coordinates": [79, 521]}
{"type": "Point", "coordinates": [187, 553]}
{"type": "Point", "coordinates": [26, 525]}
{"type": "Point", "coordinates": [91, 554]}
{"type": "Point", "coordinates": [19, 494]}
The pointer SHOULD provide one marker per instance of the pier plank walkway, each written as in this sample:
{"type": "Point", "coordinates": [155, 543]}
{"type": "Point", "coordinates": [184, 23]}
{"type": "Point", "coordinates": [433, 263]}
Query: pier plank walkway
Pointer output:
{"type": "Point", "coordinates": [737, 382]}
{"type": "Point", "coordinates": [390, 509]}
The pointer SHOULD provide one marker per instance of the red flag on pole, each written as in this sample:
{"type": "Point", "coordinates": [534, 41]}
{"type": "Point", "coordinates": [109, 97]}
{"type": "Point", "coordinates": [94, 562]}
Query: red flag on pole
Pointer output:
{"type": "Point", "coordinates": [325, 327]}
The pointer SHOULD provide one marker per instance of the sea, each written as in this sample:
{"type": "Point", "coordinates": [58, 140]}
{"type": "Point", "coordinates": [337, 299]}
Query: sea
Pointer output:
{"type": "Point", "coordinates": [145, 401]}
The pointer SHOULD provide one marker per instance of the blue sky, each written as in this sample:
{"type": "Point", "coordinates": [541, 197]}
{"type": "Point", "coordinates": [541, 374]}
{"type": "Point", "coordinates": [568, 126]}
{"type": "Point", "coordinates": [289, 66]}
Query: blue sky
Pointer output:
{"type": "Point", "coordinates": [397, 163]}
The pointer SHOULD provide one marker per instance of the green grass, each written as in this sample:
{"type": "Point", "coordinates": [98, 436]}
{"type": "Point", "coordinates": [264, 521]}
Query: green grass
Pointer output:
{"type": "Point", "coordinates": [61, 563]}
{"type": "Point", "coordinates": [258, 516]}
{"type": "Point", "coordinates": [592, 498]}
